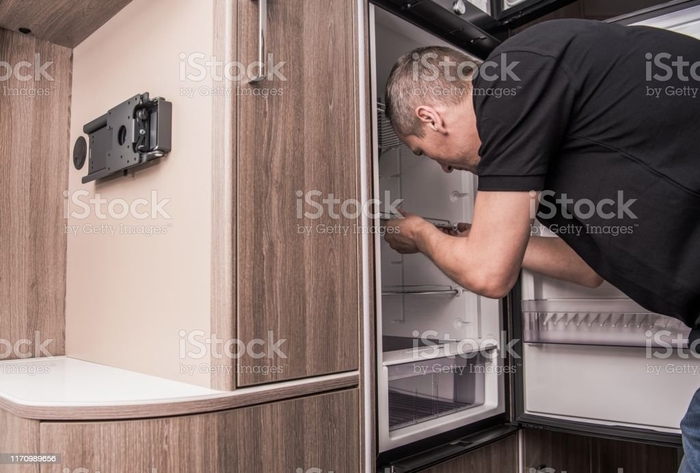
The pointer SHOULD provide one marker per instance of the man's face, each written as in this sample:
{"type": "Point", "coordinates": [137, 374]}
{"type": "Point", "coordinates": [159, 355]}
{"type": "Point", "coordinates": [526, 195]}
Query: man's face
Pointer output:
{"type": "Point", "coordinates": [450, 137]}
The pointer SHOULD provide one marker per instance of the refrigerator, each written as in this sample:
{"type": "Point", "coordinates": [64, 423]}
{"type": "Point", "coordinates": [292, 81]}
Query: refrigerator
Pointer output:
{"type": "Point", "coordinates": [456, 371]}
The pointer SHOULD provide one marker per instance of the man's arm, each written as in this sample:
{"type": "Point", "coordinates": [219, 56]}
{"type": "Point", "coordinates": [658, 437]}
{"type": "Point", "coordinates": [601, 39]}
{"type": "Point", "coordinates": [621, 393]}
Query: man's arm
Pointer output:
{"type": "Point", "coordinates": [554, 258]}
{"type": "Point", "coordinates": [488, 261]}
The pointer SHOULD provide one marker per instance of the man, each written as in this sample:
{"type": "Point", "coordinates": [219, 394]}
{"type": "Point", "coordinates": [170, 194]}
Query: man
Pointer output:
{"type": "Point", "coordinates": [598, 120]}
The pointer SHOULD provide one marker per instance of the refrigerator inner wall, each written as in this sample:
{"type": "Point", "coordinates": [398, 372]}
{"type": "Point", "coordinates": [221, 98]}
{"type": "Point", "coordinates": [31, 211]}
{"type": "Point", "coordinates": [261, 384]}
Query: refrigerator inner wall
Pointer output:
{"type": "Point", "coordinates": [457, 378]}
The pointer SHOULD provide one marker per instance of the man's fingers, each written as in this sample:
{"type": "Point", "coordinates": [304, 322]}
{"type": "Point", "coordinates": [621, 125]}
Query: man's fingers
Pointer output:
{"type": "Point", "coordinates": [463, 226]}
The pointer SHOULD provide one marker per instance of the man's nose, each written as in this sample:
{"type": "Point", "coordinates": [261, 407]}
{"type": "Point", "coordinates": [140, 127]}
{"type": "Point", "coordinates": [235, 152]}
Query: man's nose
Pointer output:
{"type": "Point", "coordinates": [446, 168]}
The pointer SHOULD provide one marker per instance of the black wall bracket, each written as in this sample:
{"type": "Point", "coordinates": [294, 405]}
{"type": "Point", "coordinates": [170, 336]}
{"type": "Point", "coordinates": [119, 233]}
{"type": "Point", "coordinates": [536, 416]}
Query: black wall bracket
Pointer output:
{"type": "Point", "coordinates": [131, 134]}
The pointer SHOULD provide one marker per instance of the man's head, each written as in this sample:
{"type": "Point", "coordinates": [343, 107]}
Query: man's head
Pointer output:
{"type": "Point", "coordinates": [429, 103]}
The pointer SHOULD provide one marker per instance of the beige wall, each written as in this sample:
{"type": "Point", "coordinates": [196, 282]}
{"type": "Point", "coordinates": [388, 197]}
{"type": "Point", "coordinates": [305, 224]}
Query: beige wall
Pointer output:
{"type": "Point", "coordinates": [130, 295]}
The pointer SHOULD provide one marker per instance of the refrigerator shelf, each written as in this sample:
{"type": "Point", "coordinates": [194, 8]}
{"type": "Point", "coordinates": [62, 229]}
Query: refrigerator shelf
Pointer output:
{"type": "Point", "coordinates": [617, 322]}
{"type": "Point", "coordinates": [422, 290]}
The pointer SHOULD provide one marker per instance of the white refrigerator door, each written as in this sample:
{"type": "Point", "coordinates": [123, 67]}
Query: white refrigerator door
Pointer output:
{"type": "Point", "coordinates": [629, 386]}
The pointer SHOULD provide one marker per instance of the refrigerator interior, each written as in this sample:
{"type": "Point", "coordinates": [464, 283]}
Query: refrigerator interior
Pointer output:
{"type": "Point", "coordinates": [438, 345]}
{"type": "Point", "coordinates": [595, 356]}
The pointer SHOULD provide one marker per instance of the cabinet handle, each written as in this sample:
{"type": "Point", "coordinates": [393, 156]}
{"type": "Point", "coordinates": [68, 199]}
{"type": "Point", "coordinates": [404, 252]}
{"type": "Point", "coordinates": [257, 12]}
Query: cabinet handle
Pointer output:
{"type": "Point", "coordinates": [262, 28]}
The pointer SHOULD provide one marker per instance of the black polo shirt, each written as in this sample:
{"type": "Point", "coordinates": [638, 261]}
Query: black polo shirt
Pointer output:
{"type": "Point", "coordinates": [604, 119]}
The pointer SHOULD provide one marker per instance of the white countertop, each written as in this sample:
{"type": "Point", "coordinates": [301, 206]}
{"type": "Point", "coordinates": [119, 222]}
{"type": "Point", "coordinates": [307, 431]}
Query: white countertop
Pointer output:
{"type": "Point", "coordinates": [68, 382]}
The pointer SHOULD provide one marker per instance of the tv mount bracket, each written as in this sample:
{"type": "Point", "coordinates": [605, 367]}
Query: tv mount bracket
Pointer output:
{"type": "Point", "coordinates": [133, 133]}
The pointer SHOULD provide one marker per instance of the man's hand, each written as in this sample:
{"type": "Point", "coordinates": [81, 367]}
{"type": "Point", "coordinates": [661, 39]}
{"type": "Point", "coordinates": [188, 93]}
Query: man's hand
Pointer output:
{"type": "Point", "coordinates": [487, 260]}
{"type": "Point", "coordinates": [402, 233]}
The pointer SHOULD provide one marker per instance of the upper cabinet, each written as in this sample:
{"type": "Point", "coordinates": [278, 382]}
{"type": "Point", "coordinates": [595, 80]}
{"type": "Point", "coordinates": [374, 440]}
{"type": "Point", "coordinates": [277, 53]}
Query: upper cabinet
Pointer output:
{"type": "Point", "coordinates": [64, 22]}
{"type": "Point", "coordinates": [298, 250]}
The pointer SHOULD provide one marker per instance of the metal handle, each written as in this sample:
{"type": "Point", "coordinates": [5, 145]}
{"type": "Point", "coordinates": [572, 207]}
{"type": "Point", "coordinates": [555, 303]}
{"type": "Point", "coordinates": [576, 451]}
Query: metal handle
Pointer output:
{"type": "Point", "coordinates": [262, 28]}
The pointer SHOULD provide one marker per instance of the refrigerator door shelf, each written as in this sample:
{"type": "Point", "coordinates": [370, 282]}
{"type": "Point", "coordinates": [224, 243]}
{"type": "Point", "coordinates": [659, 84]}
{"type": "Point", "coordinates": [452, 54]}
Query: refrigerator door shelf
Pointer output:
{"type": "Point", "coordinates": [615, 322]}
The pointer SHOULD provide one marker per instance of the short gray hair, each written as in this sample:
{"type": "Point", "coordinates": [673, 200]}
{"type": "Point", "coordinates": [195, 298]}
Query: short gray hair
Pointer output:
{"type": "Point", "coordinates": [416, 77]}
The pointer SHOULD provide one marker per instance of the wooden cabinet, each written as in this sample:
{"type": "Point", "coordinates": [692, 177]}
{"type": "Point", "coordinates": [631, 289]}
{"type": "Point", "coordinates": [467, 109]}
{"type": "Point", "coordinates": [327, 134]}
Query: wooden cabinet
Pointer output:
{"type": "Point", "coordinates": [544, 449]}
{"type": "Point", "coordinates": [34, 115]}
{"type": "Point", "coordinates": [18, 436]}
{"type": "Point", "coordinates": [314, 432]}
{"type": "Point", "coordinates": [501, 457]}
{"type": "Point", "coordinates": [298, 278]}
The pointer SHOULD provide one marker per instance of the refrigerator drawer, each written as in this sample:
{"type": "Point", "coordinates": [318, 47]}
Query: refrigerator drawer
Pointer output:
{"type": "Point", "coordinates": [615, 322]}
{"type": "Point", "coordinates": [426, 394]}
{"type": "Point", "coordinates": [434, 388]}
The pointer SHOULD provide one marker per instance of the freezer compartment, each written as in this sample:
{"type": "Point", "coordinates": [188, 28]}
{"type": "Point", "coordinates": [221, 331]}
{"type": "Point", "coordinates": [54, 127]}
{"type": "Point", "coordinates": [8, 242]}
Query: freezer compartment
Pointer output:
{"type": "Point", "coordinates": [616, 322]}
{"type": "Point", "coordinates": [434, 388]}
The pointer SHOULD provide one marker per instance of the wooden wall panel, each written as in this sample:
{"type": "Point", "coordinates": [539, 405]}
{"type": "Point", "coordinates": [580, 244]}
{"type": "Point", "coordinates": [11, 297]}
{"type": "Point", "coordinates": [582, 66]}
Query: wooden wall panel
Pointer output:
{"type": "Point", "coordinates": [314, 432]}
{"type": "Point", "coordinates": [501, 457]}
{"type": "Point", "coordinates": [617, 456]}
{"type": "Point", "coordinates": [563, 452]}
{"type": "Point", "coordinates": [18, 436]}
{"type": "Point", "coordinates": [303, 288]}
{"type": "Point", "coordinates": [223, 277]}
{"type": "Point", "coordinates": [34, 157]}
{"type": "Point", "coordinates": [579, 454]}
{"type": "Point", "coordinates": [63, 22]}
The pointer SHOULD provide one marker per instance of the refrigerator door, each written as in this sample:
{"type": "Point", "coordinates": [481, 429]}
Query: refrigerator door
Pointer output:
{"type": "Point", "coordinates": [593, 361]}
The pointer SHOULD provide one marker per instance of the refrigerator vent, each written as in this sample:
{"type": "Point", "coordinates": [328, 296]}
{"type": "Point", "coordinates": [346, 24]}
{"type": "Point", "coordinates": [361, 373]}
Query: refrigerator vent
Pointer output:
{"type": "Point", "coordinates": [388, 139]}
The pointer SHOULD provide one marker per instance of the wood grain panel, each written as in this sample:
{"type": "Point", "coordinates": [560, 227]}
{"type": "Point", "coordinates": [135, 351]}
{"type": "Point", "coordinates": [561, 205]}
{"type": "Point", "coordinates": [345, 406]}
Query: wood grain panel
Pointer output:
{"type": "Point", "coordinates": [501, 457]}
{"type": "Point", "coordinates": [223, 265]}
{"type": "Point", "coordinates": [63, 22]}
{"type": "Point", "coordinates": [18, 436]}
{"type": "Point", "coordinates": [300, 288]}
{"type": "Point", "coordinates": [580, 454]}
{"type": "Point", "coordinates": [614, 456]}
{"type": "Point", "coordinates": [315, 432]}
{"type": "Point", "coordinates": [34, 157]}
{"type": "Point", "coordinates": [563, 452]}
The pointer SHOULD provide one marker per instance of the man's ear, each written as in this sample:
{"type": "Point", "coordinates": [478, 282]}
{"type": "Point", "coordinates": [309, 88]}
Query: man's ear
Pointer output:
{"type": "Point", "coordinates": [431, 117]}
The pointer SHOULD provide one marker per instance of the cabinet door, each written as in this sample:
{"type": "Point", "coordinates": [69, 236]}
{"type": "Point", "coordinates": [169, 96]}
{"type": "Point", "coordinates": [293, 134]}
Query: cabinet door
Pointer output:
{"type": "Point", "coordinates": [501, 457]}
{"type": "Point", "coordinates": [18, 437]}
{"type": "Point", "coordinates": [298, 276]}
{"type": "Point", "coordinates": [318, 433]}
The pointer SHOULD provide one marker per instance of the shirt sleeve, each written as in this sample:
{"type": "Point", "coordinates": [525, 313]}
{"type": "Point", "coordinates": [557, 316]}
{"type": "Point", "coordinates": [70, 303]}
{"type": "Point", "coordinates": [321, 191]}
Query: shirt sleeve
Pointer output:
{"type": "Point", "coordinates": [523, 103]}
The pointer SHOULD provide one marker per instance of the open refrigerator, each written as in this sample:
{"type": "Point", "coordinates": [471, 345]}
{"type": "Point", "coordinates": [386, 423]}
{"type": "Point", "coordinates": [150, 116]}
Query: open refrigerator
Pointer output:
{"type": "Point", "coordinates": [455, 370]}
